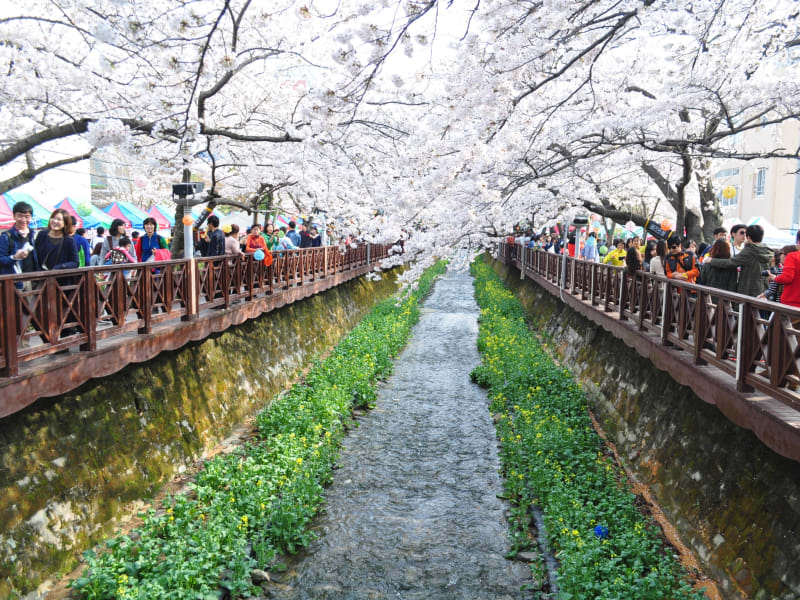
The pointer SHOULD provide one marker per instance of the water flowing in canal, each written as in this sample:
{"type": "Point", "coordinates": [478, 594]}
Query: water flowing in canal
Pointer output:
{"type": "Point", "coordinates": [413, 511]}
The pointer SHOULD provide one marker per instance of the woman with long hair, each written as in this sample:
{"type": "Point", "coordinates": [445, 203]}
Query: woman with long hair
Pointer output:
{"type": "Point", "coordinates": [657, 259]}
{"type": "Point", "coordinates": [724, 279]}
{"type": "Point", "coordinates": [633, 260]}
{"type": "Point", "coordinates": [55, 245]}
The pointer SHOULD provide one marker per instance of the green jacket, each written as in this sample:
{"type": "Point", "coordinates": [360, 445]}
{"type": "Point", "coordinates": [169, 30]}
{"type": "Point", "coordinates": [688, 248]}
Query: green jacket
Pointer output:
{"type": "Point", "coordinates": [753, 260]}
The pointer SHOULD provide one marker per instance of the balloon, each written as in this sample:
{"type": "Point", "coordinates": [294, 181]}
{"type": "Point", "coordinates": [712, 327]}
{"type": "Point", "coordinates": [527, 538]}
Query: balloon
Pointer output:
{"type": "Point", "coordinates": [728, 191]}
{"type": "Point", "coordinates": [603, 249]}
{"type": "Point", "coordinates": [84, 209]}
{"type": "Point", "coordinates": [630, 225]}
{"type": "Point", "coordinates": [666, 225]}
{"type": "Point", "coordinates": [259, 254]}
{"type": "Point", "coordinates": [601, 532]}
{"type": "Point", "coordinates": [188, 219]}
{"type": "Point", "coordinates": [226, 228]}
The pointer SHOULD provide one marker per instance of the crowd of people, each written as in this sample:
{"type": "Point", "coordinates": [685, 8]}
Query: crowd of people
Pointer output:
{"type": "Point", "coordinates": [60, 245]}
{"type": "Point", "coordinates": [737, 262]}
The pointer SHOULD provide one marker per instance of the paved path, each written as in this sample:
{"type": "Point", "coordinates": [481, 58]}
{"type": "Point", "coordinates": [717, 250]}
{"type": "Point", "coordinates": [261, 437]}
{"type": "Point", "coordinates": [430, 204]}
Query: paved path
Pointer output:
{"type": "Point", "coordinates": [413, 513]}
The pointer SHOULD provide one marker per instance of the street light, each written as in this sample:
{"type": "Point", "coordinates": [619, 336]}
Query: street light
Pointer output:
{"type": "Point", "coordinates": [183, 194]}
{"type": "Point", "coordinates": [578, 221]}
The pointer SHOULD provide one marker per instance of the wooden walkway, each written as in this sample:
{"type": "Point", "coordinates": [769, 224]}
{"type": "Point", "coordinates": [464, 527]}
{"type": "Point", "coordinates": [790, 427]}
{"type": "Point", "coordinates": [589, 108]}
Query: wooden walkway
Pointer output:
{"type": "Point", "coordinates": [59, 331]}
{"type": "Point", "coordinates": [736, 352]}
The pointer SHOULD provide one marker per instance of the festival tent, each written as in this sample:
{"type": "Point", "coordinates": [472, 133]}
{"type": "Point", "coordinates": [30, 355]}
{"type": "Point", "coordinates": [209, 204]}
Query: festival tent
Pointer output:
{"type": "Point", "coordinates": [85, 213]}
{"type": "Point", "coordinates": [126, 211]}
{"type": "Point", "coordinates": [41, 213]}
{"type": "Point", "coordinates": [242, 219]}
{"type": "Point", "coordinates": [773, 237]}
{"type": "Point", "coordinates": [163, 216]}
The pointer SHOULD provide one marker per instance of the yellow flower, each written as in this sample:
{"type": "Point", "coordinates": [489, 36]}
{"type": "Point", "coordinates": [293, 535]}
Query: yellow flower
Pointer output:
{"type": "Point", "coordinates": [299, 461]}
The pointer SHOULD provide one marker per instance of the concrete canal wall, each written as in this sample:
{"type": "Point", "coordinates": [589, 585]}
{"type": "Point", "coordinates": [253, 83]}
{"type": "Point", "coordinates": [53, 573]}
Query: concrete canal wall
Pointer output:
{"type": "Point", "coordinates": [71, 466]}
{"type": "Point", "coordinates": [735, 502]}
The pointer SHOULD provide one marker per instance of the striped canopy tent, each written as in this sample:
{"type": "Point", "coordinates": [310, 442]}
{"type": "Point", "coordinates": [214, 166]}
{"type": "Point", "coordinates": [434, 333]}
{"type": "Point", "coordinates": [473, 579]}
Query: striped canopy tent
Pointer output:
{"type": "Point", "coordinates": [85, 213]}
{"type": "Point", "coordinates": [163, 216]}
{"type": "Point", "coordinates": [133, 216]}
{"type": "Point", "coordinates": [41, 213]}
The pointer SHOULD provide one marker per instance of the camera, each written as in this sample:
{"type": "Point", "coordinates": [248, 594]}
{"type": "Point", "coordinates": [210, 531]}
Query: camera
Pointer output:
{"type": "Point", "coordinates": [765, 273]}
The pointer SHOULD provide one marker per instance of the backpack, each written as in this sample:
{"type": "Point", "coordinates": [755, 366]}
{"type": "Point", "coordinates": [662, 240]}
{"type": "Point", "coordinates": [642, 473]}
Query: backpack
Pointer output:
{"type": "Point", "coordinates": [116, 257]}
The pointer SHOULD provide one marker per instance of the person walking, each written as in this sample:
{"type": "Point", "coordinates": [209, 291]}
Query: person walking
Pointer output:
{"type": "Point", "coordinates": [718, 277]}
{"type": "Point", "coordinates": [150, 241]}
{"type": "Point", "coordinates": [213, 242]}
{"type": "Point", "coordinates": [84, 247]}
{"type": "Point", "coordinates": [17, 250]}
{"type": "Point", "coordinates": [116, 232]}
{"type": "Point", "coordinates": [55, 246]}
{"type": "Point", "coordinates": [790, 277]}
{"type": "Point", "coordinates": [293, 235]}
{"type": "Point", "coordinates": [232, 239]}
{"type": "Point", "coordinates": [657, 259]}
{"type": "Point", "coordinates": [680, 264]}
{"type": "Point", "coordinates": [752, 261]}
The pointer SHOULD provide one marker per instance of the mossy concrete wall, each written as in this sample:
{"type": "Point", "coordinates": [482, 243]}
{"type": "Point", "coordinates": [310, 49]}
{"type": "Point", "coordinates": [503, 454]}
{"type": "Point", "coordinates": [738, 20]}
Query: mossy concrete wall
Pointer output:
{"type": "Point", "coordinates": [735, 503]}
{"type": "Point", "coordinates": [70, 465]}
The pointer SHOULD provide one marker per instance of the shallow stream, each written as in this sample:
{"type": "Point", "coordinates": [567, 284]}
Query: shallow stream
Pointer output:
{"type": "Point", "coordinates": [413, 512]}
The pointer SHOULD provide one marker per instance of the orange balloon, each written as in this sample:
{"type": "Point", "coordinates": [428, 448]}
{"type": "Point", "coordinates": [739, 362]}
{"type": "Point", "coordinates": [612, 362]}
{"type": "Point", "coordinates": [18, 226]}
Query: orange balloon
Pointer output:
{"type": "Point", "coordinates": [666, 225]}
{"type": "Point", "coordinates": [188, 219]}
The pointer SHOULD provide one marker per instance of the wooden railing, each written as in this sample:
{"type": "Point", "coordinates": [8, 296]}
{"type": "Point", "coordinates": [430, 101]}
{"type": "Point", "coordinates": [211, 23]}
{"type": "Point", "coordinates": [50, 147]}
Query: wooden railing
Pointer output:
{"type": "Point", "coordinates": [49, 312]}
{"type": "Point", "coordinates": [756, 342]}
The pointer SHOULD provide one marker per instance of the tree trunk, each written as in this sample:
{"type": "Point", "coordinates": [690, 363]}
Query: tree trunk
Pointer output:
{"type": "Point", "coordinates": [709, 203]}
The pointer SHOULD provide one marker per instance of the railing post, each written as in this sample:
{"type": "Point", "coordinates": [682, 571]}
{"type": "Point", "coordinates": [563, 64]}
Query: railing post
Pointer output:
{"type": "Point", "coordinates": [8, 301]}
{"type": "Point", "coordinates": [623, 296]}
{"type": "Point", "coordinates": [666, 313]}
{"type": "Point", "coordinates": [190, 289]}
{"type": "Point", "coordinates": [226, 282]}
{"type": "Point", "coordinates": [700, 326]}
{"type": "Point", "coordinates": [740, 385]}
{"type": "Point", "coordinates": [146, 300]}
{"type": "Point", "coordinates": [325, 264]}
{"type": "Point", "coordinates": [89, 310]}
{"type": "Point", "coordinates": [368, 253]}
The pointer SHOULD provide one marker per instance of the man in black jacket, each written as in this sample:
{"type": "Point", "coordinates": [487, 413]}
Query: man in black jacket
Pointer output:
{"type": "Point", "coordinates": [213, 244]}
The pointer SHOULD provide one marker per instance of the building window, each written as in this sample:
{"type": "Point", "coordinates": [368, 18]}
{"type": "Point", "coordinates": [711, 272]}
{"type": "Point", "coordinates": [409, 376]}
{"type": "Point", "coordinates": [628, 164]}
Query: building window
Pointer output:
{"type": "Point", "coordinates": [761, 181]}
{"type": "Point", "coordinates": [726, 173]}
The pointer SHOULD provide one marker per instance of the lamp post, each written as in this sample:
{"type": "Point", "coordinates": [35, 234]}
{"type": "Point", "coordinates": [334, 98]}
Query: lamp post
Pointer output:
{"type": "Point", "coordinates": [577, 222]}
{"type": "Point", "coordinates": [183, 194]}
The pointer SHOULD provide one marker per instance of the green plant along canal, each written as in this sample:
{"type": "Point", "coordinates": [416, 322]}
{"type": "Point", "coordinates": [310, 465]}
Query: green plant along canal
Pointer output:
{"type": "Point", "coordinates": [414, 509]}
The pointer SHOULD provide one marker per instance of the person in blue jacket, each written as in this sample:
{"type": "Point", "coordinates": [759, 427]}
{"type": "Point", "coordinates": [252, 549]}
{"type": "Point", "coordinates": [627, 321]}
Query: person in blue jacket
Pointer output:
{"type": "Point", "coordinates": [17, 251]}
{"type": "Point", "coordinates": [83, 244]}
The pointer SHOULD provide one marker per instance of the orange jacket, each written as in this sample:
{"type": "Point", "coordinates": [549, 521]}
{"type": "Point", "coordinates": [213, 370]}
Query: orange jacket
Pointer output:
{"type": "Point", "coordinates": [255, 242]}
{"type": "Point", "coordinates": [682, 263]}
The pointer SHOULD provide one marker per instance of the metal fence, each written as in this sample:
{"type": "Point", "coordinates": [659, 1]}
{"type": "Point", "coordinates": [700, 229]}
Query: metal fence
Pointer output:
{"type": "Point", "coordinates": [757, 342]}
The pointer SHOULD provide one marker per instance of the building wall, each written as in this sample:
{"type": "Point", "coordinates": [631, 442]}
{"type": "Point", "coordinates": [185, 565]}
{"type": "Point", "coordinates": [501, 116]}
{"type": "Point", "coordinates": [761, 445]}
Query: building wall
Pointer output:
{"type": "Point", "coordinates": [779, 204]}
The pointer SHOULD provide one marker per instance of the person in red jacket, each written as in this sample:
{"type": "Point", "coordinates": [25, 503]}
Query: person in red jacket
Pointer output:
{"type": "Point", "coordinates": [790, 278]}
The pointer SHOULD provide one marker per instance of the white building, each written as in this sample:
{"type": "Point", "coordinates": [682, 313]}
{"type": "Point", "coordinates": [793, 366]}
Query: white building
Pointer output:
{"type": "Point", "coordinates": [768, 188]}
